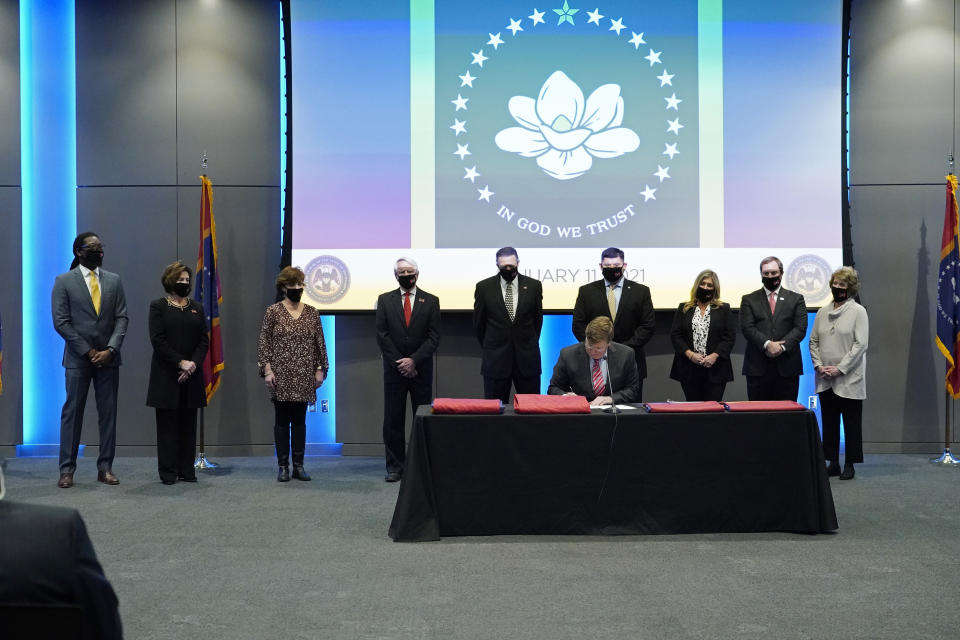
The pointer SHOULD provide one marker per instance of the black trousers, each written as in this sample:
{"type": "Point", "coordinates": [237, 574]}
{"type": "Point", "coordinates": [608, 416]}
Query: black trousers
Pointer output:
{"type": "Point", "coordinates": [773, 387]}
{"type": "Point", "coordinates": [699, 388]}
{"type": "Point", "coordinates": [176, 443]}
{"type": "Point", "coordinates": [832, 408]}
{"type": "Point", "coordinates": [395, 391]}
{"type": "Point", "coordinates": [499, 388]}
{"type": "Point", "coordinates": [290, 423]}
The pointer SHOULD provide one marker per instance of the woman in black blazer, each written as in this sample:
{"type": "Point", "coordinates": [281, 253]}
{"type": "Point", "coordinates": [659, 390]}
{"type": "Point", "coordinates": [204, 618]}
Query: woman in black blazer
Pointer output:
{"type": "Point", "coordinates": [703, 334]}
{"type": "Point", "coordinates": [178, 333]}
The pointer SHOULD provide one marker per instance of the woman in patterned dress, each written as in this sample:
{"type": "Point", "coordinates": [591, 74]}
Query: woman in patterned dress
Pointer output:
{"type": "Point", "coordinates": [292, 357]}
{"type": "Point", "coordinates": [703, 334]}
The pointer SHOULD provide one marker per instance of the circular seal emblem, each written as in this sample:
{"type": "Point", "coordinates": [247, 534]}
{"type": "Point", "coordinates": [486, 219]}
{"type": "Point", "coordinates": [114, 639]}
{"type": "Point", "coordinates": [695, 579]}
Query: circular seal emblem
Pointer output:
{"type": "Point", "coordinates": [327, 279]}
{"type": "Point", "coordinates": [809, 275]}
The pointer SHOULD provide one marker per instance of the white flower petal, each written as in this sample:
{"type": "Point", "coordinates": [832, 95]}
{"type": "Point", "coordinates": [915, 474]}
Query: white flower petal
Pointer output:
{"type": "Point", "coordinates": [602, 106]}
{"type": "Point", "coordinates": [560, 96]}
{"type": "Point", "coordinates": [612, 142]}
{"type": "Point", "coordinates": [524, 111]}
{"type": "Point", "coordinates": [528, 144]}
{"type": "Point", "coordinates": [567, 140]}
{"type": "Point", "coordinates": [565, 165]}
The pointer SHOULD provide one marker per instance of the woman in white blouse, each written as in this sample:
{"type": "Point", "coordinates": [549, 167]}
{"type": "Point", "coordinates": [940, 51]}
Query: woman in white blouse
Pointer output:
{"type": "Point", "coordinates": [838, 348]}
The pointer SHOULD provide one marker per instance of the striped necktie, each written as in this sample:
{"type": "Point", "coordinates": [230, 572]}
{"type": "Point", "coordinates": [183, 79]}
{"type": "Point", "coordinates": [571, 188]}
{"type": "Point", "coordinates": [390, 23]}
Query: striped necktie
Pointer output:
{"type": "Point", "coordinates": [598, 385]}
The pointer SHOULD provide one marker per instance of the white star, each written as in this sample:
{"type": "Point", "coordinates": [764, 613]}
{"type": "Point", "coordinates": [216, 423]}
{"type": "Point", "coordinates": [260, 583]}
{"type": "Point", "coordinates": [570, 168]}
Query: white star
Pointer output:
{"type": "Point", "coordinates": [670, 149]}
{"type": "Point", "coordinates": [458, 126]}
{"type": "Point", "coordinates": [478, 58]}
{"type": "Point", "coordinates": [460, 102]}
{"type": "Point", "coordinates": [666, 78]}
{"type": "Point", "coordinates": [537, 17]}
{"type": "Point", "coordinates": [616, 25]}
{"type": "Point", "coordinates": [637, 39]}
{"type": "Point", "coordinates": [467, 79]}
{"type": "Point", "coordinates": [672, 102]}
{"type": "Point", "coordinates": [471, 174]}
{"type": "Point", "coordinates": [495, 40]}
{"type": "Point", "coordinates": [514, 26]}
{"type": "Point", "coordinates": [462, 150]}
{"type": "Point", "coordinates": [594, 16]}
{"type": "Point", "coordinates": [485, 193]}
{"type": "Point", "coordinates": [661, 172]}
{"type": "Point", "coordinates": [654, 57]}
{"type": "Point", "coordinates": [647, 193]}
{"type": "Point", "coordinates": [674, 126]}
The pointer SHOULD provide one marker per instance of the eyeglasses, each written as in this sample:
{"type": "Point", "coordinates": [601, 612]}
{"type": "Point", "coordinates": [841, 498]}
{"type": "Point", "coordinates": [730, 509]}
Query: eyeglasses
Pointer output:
{"type": "Point", "coordinates": [92, 247]}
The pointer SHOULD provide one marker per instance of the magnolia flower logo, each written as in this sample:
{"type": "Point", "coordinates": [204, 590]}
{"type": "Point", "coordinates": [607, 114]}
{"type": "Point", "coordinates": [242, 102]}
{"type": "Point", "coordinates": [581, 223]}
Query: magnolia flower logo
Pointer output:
{"type": "Point", "coordinates": [562, 132]}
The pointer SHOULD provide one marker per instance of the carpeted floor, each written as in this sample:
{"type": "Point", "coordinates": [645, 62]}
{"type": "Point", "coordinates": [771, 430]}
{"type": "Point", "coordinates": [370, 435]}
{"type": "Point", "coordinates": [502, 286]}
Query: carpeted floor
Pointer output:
{"type": "Point", "coordinates": [239, 555]}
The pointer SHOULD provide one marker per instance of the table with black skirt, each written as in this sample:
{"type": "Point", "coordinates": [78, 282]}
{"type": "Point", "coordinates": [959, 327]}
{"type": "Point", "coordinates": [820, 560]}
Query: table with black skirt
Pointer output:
{"type": "Point", "coordinates": [627, 473]}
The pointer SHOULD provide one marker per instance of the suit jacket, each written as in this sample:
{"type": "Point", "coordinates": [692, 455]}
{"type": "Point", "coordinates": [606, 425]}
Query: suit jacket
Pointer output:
{"type": "Point", "coordinates": [47, 558]}
{"type": "Point", "coordinates": [720, 338]}
{"type": "Point", "coordinates": [635, 317]}
{"type": "Point", "coordinates": [176, 335]}
{"type": "Point", "coordinates": [508, 346]}
{"type": "Point", "coordinates": [573, 373]}
{"type": "Point", "coordinates": [419, 341]}
{"type": "Point", "coordinates": [787, 323]}
{"type": "Point", "coordinates": [77, 321]}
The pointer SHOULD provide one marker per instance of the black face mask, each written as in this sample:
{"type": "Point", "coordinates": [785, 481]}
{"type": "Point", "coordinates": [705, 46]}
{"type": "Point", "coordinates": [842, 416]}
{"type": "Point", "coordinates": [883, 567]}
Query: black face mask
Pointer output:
{"type": "Point", "coordinates": [91, 259]}
{"type": "Point", "coordinates": [407, 282]}
{"type": "Point", "coordinates": [771, 284]}
{"type": "Point", "coordinates": [182, 289]}
{"type": "Point", "coordinates": [294, 295]}
{"type": "Point", "coordinates": [704, 294]}
{"type": "Point", "coordinates": [612, 274]}
{"type": "Point", "coordinates": [839, 295]}
{"type": "Point", "coordinates": [508, 273]}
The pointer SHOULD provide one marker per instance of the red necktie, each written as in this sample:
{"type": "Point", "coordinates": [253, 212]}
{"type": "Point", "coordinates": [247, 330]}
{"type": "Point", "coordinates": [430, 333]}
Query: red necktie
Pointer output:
{"type": "Point", "coordinates": [598, 385]}
{"type": "Point", "coordinates": [773, 301]}
{"type": "Point", "coordinates": [406, 307]}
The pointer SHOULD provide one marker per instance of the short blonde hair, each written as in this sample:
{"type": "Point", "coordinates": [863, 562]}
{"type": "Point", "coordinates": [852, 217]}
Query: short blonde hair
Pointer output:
{"type": "Point", "coordinates": [849, 277]}
{"type": "Point", "coordinates": [599, 329]}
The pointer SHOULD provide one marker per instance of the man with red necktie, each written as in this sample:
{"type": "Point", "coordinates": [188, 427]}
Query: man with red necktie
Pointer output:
{"type": "Point", "coordinates": [408, 333]}
{"type": "Point", "coordinates": [602, 371]}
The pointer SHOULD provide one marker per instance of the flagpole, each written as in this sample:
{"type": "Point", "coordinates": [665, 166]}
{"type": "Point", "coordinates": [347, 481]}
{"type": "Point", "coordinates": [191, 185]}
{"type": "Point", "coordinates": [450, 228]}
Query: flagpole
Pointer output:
{"type": "Point", "coordinates": [201, 462]}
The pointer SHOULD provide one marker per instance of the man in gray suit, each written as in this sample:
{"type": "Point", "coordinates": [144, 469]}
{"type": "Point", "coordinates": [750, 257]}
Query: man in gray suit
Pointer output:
{"type": "Point", "coordinates": [602, 371]}
{"type": "Point", "coordinates": [90, 313]}
{"type": "Point", "coordinates": [774, 322]}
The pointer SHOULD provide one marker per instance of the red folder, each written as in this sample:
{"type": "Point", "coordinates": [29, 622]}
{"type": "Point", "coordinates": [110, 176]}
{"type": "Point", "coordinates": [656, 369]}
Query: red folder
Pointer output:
{"type": "Point", "coordinates": [683, 407]}
{"type": "Point", "coordinates": [533, 403]}
{"type": "Point", "coordinates": [466, 405]}
{"type": "Point", "coordinates": [765, 405]}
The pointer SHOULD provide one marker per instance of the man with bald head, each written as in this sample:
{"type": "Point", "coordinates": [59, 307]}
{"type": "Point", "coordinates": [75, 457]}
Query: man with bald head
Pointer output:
{"type": "Point", "coordinates": [408, 332]}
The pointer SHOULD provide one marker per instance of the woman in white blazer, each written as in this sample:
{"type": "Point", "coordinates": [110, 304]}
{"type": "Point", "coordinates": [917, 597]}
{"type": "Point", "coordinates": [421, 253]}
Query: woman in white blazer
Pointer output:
{"type": "Point", "coordinates": [838, 348]}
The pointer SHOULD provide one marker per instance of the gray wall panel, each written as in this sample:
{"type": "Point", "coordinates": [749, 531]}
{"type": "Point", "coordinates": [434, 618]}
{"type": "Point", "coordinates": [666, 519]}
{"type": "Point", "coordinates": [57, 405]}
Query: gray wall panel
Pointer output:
{"type": "Point", "coordinates": [248, 244]}
{"type": "Point", "coordinates": [9, 93]}
{"type": "Point", "coordinates": [11, 402]}
{"type": "Point", "coordinates": [901, 90]}
{"type": "Point", "coordinates": [138, 226]}
{"type": "Point", "coordinates": [126, 92]}
{"type": "Point", "coordinates": [228, 91]}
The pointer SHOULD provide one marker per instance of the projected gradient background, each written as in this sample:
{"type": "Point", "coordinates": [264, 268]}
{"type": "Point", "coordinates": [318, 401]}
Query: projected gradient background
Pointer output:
{"type": "Point", "coordinates": [690, 133]}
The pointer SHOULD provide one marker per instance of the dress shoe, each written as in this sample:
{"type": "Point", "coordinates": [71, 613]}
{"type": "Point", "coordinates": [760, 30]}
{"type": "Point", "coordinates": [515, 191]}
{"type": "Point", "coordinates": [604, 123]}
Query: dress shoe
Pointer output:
{"type": "Point", "coordinates": [66, 481]}
{"type": "Point", "coordinates": [847, 471]}
{"type": "Point", "coordinates": [833, 469]}
{"type": "Point", "coordinates": [284, 474]}
{"type": "Point", "coordinates": [168, 481]}
{"type": "Point", "coordinates": [106, 477]}
{"type": "Point", "coordinates": [300, 473]}
{"type": "Point", "coordinates": [184, 478]}
{"type": "Point", "coordinates": [393, 476]}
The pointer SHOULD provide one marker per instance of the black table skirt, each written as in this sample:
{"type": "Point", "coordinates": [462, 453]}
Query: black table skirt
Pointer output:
{"type": "Point", "coordinates": [632, 473]}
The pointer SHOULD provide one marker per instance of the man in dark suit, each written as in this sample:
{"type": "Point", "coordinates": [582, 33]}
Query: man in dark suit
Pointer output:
{"type": "Point", "coordinates": [507, 318]}
{"type": "Point", "coordinates": [408, 332]}
{"type": "Point", "coordinates": [626, 302]}
{"type": "Point", "coordinates": [90, 313]}
{"type": "Point", "coordinates": [774, 321]}
{"type": "Point", "coordinates": [46, 558]}
{"type": "Point", "coordinates": [602, 371]}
